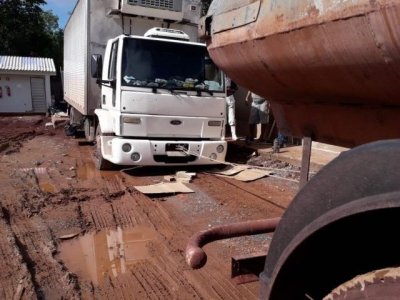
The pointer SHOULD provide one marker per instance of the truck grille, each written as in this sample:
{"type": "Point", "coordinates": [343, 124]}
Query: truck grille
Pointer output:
{"type": "Point", "coordinates": [174, 159]}
{"type": "Point", "coordinates": [176, 147]}
{"type": "Point", "coordinates": [161, 4]}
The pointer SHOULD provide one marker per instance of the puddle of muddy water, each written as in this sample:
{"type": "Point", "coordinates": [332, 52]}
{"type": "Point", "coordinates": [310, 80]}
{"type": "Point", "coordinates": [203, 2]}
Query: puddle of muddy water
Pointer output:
{"type": "Point", "coordinates": [86, 171]}
{"type": "Point", "coordinates": [86, 168]}
{"type": "Point", "coordinates": [43, 179]}
{"type": "Point", "coordinates": [47, 187]}
{"type": "Point", "coordinates": [96, 256]}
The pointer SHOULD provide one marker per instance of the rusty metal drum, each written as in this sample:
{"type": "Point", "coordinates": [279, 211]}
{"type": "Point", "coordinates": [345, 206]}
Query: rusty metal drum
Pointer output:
{"type": "Point", "coordinates": [331, 68]}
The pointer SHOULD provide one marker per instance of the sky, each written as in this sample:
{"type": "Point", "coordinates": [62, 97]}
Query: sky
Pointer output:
{"type": "Point", "coordinates": [62, 9]}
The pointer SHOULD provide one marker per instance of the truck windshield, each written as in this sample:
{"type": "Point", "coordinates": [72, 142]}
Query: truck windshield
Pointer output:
{"type": "Point", "coordinates": [169, 65]}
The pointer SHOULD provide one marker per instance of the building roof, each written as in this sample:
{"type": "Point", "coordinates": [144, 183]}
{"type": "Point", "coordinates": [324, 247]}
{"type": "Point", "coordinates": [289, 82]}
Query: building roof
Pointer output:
{"type": "Point", "coordinates": [27, 64]}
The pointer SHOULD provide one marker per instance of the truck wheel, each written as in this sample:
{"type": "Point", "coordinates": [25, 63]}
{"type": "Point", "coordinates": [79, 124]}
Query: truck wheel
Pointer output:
{"type": "Point", "coordinates": [381, 284]}
{"type": "Point", "coordinates": [101, 163]}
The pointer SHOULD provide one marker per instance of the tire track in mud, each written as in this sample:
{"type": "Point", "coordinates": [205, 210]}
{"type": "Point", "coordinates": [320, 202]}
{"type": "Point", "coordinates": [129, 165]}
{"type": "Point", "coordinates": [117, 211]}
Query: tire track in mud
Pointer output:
{"type": "Point", "coordinates": [37, 244]}
{"type": "Point", "coordinates": [216, 274]}
{"type": "Point", "coordinates": [15, 278]}
{"type": "Point", "coordinates": [114, 207]}
{"type": "Point", "coordinates": [242, 192]}
{"type": "Point", "coordinates": [215, 277]}
{"type": "Point", "coordinates": [173, 240]}
{"type": "Point", "coordinates": [126, 212]}
{"type": "Point", "coordinates": [147, 278]}
{"type": "Point", "coordinates": [33, 238]}
{"type": "Point", "coordinates": [154, 288]}
{"type": "Point", "coordinates": [86, 200]}
{"type": "Point", "coordinates": [98, 214]}
{"type": "Point", "coordinates": [15, 133]}
{"type": "Point", "coordinates": [129, 209]}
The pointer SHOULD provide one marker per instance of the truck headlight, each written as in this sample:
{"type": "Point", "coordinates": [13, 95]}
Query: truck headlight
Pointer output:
{"type": "Point", "coordinates": [135, 156]}
{"type": "Point", "coordinates": [220, 148]}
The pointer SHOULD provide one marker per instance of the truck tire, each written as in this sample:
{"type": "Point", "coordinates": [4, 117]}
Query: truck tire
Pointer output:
{"type": "Point", "coordinates": [330, 231]}
{"type": "Point", "coordinates": [383, 284]}
{"type": "Point", "coordinates": [102, 164]}
{"type": "Point", "coordinates": [76, 120]}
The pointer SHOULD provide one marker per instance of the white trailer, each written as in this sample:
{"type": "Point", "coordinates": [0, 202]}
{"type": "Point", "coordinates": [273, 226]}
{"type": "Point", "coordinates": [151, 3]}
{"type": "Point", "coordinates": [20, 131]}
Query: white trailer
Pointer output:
{"type": "Point", "coordinates": [158, 99]}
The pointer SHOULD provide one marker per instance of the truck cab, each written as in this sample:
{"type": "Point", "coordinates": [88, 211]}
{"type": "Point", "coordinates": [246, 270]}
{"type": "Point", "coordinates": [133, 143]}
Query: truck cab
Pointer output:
{"type": "Point", "coordinates": [162, 102]}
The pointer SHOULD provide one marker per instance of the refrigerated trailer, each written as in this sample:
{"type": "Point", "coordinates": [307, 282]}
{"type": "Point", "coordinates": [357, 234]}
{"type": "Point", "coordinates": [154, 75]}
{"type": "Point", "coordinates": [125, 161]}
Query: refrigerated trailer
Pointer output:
{"type": "Point", "coordinates": [140, 85]}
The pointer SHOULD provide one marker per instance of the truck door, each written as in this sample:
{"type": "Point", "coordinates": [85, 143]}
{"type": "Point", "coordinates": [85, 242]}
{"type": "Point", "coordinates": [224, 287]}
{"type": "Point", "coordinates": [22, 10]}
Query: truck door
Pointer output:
{"type": "Point", "coordinates": [108, 90]}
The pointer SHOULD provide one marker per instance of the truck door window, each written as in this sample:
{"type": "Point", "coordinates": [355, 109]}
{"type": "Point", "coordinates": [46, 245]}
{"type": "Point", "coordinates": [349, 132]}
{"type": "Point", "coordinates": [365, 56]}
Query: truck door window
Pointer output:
{"type": "Point", "coordinates": [112, 70]}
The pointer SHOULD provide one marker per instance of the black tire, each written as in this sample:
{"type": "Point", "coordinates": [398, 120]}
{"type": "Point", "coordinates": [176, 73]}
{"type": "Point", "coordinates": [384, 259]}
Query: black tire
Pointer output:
{"type": "Point", "coordinates": [371, 170]}
{"type": "Point", "coordinates": [102, 164]}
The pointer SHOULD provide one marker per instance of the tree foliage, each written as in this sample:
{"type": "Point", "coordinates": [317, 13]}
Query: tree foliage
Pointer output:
{"type": "Point", "coordinates": [205, 6]}
{"type": "Point", "coordinates": [27, 30]}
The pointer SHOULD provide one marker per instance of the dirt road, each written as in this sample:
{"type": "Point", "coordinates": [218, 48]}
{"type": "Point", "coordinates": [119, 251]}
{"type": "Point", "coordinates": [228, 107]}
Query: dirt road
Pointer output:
{"type": "Point", "coordinates": [70, 231]}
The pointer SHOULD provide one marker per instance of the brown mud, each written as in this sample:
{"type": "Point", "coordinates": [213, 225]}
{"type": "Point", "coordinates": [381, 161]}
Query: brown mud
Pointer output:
{"type": "Point", "coordinates": [70, 231]}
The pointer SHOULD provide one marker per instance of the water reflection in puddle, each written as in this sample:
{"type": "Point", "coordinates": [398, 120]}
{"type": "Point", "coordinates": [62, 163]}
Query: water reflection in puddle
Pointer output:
{"type": "Point", "coordinates": [47, 187]}
{"type": "Point", "coordinates": [86, 171]}
{"type": "Point", "coordinates": [95, 256]}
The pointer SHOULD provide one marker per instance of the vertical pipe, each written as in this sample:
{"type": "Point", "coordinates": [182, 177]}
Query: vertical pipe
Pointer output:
{"type": "Point", "coordinates": [305, 161]}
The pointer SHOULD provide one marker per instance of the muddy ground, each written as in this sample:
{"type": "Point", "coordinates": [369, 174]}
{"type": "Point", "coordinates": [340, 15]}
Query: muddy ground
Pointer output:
{"type": "Point", "coordinates": [69, 231]}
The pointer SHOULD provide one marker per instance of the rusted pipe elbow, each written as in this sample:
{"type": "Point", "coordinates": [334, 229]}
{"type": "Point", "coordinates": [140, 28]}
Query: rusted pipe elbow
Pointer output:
{"type": "Point", "coordinates": [195, 255]}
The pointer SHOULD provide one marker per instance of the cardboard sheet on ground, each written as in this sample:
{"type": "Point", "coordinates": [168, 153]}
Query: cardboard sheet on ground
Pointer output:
{"type": "Point", "coordinates": [164, 188]}
{"type": "Point", "coordinates": [180, 176]}
{"type": "Point", "coordinates": [230, 170]}
{"type": "Point", "coordinates": [251, 174]}
{"type": "Point", "coordinates": [242, 173]}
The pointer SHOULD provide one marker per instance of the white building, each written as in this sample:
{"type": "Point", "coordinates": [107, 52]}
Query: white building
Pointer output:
{"type": "Point", "coordinates": [25, 84]}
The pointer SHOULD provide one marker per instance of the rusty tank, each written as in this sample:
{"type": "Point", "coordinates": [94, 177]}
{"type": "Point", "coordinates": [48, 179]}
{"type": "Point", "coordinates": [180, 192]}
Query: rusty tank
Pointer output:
{"type": "Point", "coordinates": [330, 68]}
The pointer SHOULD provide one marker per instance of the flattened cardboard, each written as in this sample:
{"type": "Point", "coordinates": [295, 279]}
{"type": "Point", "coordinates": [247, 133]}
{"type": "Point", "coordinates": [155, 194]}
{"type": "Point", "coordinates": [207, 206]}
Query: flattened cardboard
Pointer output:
{"type": "Point", "coordinates": [251, 175]}
{"type": "Point", "coordinates": [230, 170]}
{"type": "Point", "coordinates": [164, 188]}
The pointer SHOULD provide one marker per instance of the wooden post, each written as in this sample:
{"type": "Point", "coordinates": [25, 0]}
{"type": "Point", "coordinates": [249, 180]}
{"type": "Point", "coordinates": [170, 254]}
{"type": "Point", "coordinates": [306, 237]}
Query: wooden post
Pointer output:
{"type": "Point", "coordinates": [305, 161]}
{"type": "Point", "coordinates": [270, 131]}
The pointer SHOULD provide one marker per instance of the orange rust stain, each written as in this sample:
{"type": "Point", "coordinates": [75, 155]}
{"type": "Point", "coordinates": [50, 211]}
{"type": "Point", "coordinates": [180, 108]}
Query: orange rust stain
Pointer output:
{"type": "Point", "coordinates": [313, 11]}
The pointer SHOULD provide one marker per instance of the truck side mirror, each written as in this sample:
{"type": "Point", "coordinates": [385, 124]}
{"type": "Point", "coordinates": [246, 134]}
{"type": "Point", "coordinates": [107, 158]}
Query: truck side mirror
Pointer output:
{"type": "Point", "coordinates": [96, 65]}
{"type": "Point", "coordinates": [204, 29]}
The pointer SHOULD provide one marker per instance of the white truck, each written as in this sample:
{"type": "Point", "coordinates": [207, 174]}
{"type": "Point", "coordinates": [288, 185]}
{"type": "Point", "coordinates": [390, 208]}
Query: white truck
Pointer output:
{"type": "Point", "coordinates": [140, 86]}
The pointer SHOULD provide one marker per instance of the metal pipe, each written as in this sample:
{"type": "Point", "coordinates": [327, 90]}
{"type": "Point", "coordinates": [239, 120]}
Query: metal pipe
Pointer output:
{"type": "Point", "coordinates": [196, 258]}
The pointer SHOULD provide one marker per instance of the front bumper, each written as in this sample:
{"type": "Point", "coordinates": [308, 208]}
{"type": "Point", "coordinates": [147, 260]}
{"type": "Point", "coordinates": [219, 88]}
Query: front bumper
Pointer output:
{"type": "Point", "coordinates": [155, 152]}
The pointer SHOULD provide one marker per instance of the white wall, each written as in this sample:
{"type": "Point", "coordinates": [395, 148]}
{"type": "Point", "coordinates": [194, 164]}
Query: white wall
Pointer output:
{"type": "Point", "coordinates": [20, 99]}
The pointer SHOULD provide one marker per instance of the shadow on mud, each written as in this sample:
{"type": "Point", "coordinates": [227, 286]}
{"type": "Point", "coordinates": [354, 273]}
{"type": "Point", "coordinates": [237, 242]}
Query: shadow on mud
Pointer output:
{"type": "Point", "coordinates": [164, 170]}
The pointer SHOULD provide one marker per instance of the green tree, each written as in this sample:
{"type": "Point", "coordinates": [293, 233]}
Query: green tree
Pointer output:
{"type": "Point", "coordinates": [27, 30]}
{"type": "Point", "coordinates": [205, 6]}
{"type": "Point", "coordinates": [56, 35]}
